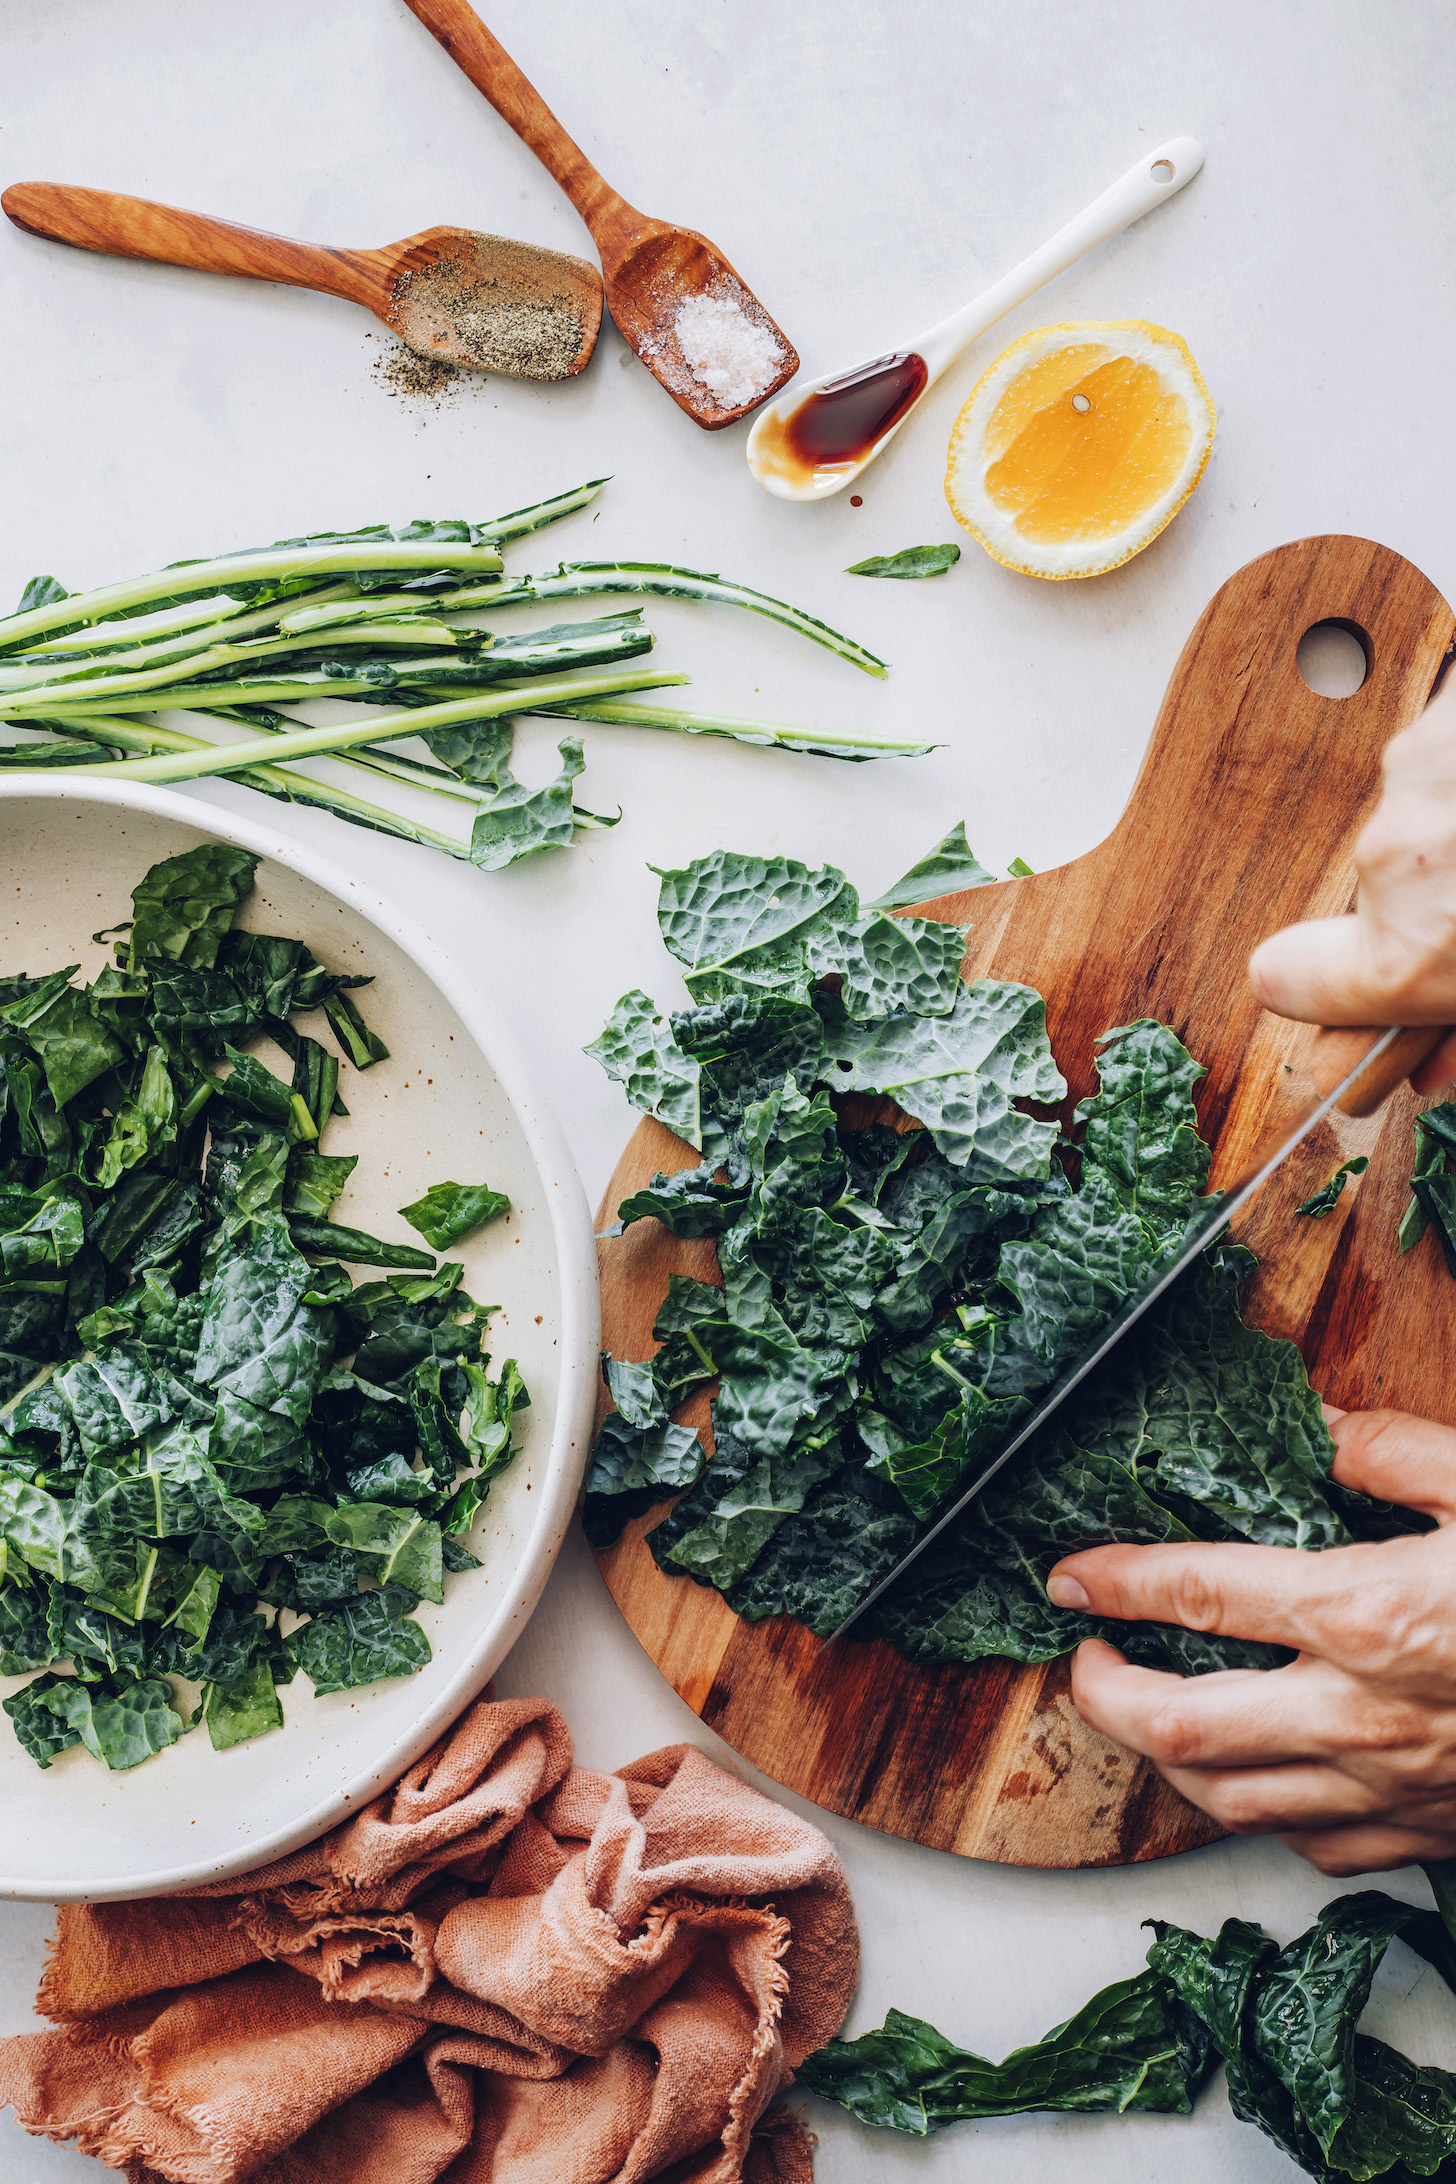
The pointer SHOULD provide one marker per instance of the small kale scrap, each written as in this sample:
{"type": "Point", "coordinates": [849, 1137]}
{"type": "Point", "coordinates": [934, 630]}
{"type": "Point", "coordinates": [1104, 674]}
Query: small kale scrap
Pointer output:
{"type": "Point", "coordinates": [220, 1459]}
{"type": "Point", "coordinates": [910, 561]}
{"type": "Point", "coordinates": [895, 1297]}
{"type": "Point", "coordinates": [1284, 2022]}
{"type": "Point", "coordinates": [1327, 1197]}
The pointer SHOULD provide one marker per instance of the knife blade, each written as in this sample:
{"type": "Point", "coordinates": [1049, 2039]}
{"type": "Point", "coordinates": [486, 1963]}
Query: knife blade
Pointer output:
{"type": "Point", "coordinates": [1204, 1231]}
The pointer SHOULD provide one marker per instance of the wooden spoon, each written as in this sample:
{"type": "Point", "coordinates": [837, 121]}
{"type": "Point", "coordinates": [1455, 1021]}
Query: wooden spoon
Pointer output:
{"type": "Point", "coordinates": [480, 301]}
{"type": "Point", "coordinates": [651, 267]}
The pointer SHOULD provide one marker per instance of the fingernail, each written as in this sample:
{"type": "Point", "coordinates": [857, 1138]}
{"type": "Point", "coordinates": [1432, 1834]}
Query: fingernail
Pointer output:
{"type": "Point", "coordinates": [1065, 1592]}
{"type": "Point", "coordinates": [1331, 1412]}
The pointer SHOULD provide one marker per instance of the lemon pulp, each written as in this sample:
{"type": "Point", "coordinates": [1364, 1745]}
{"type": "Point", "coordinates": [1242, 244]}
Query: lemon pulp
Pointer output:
{"type": "Point", "coordinates": [1082, 443]}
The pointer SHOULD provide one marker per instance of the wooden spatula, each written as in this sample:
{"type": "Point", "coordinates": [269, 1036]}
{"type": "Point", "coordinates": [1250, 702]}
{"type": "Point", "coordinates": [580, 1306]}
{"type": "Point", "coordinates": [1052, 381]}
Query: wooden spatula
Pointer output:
{"type": "Point", "coordinates": [651, 268]}
{"type": "Point", "coordinates": [480, 301]}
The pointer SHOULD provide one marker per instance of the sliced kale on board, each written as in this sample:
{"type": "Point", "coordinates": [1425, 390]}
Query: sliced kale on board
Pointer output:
{"type": "Point", "coordinates": [220, 1459]}
{"type": "Point", "coordinates": [1284, 2023]}
{"type": "Point", "coordinates": [894, 1298]}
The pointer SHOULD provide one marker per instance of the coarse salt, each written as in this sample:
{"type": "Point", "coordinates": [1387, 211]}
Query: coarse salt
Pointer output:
{"type": "Point", "coordinates": [726, 352]}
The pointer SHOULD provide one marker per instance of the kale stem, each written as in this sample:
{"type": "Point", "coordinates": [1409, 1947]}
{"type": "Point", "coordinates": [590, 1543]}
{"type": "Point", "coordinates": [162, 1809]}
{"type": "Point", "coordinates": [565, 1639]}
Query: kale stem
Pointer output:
{"type": "Point", "coordinates": [323, 742]}
{"type": "Point", "coordinates": [270, 564]}
{"type": "Point", "coordinates": [830, 742]}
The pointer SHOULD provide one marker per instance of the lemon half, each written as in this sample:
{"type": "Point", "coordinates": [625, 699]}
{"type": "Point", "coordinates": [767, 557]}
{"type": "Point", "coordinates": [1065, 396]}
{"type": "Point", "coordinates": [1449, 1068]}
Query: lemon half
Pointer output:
{"type": "Point", "coordinates": [1078, 444]}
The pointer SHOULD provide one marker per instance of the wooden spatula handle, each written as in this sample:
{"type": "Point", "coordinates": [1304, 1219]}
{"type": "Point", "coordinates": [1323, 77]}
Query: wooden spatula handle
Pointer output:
{"type": "Point", "coordinates": [134, 227]}
{"type": "Point", "coordinates": [1336, 1053]}
{"type": "Point", "coordinates": [490, 68]}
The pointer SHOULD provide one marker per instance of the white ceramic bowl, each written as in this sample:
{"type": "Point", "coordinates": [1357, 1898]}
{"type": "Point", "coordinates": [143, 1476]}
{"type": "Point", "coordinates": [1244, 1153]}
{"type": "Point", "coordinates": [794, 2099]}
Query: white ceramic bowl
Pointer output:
{"type": "Point", "coordinates": [455, 1100]}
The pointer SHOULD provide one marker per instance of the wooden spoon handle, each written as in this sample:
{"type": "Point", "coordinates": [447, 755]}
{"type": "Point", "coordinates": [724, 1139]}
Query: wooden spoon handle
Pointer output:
{"type": "Point", "coordinates": [1336, 1053]}
{"type": "Point", "coordinates": [132, 227]}
{"type": "Point", "coordinates": [490, 68]}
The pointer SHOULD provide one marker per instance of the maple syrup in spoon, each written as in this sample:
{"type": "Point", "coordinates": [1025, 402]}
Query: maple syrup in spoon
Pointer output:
{"type": "Point", "coordinates": [830, 434]}
{"type": "Point", "coordinates": [809, 442]}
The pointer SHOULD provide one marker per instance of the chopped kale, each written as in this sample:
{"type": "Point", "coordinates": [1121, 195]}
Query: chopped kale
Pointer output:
{"type": "Point", "coordinates": [198, 1424]}
{"type": "Point", "coordinates": [894, 1298]}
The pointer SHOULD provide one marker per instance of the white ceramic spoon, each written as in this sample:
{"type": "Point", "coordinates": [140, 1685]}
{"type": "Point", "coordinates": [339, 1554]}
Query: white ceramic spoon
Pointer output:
{"type": "Point", "coordinates": [821, 433]}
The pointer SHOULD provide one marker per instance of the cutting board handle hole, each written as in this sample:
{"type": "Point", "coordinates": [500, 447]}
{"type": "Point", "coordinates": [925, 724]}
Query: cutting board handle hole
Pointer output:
{"type": "Point", "coordinates": [1333, 658]}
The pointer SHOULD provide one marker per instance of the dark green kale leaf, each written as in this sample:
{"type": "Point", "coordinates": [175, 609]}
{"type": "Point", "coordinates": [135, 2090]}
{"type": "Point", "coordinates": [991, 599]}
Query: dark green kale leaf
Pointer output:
{"type": "Point", "coordinates": [254, 1088]}
{"type": "Point", "coordinates": [1327, 1197]}
{"type": "Point", "coordinates": [718, 1529]}
{"type": "Point", "coordinates": [690, 1203]}
{"type": "Point", "coordinates": [636, 1047]}
{"type": "Point", "coordinates": [886, 965]}
{"type": "Point", "coordinates": [184, 907]}
{"type": "Point", "coordinates": [246, 1707]}
{"type": "Point", "coordinates": [25, 1637]}
{"type": "Point", "coordinates": [1217, 1415]}
{"type": "Point", "coordinates": [203, 1010]}
{"type": "Point", "coordinates": [741, 925]}
{"type": "Point", "coordinates": [399, 1546]}
{"type": "Point", "coordinates": [911, 561]}
{"type": "Point", "coordinates": [449, 1212]}
{"type": "Point", "coordinates": [120, 1729]}
{"type": "Point", "coordinates": [632, 1468]}
{"type": "Point", "coordinates": [68, 1037]}
{"type": "Point", "coordinates": [39, 1732]}
{"type": "Point", "coordinates": [315, 1181]}
{"type": "Point", "coordinates": [399, 1322]}
{"type": "Point", "coordinates": [950, 866]}
{"type": "Point", "coordinates": [744, 1047]}
{"type": "Point", "coordinates": [360, 1641]}
{"type": "Point", "coordinates": [259, 1340]}
{"type": "Point", "coordinates": [1133, 2047]}
{"type": "Point", "coordinates": [113, 1399]}
{"type": "Point", "coordinates": [267, 962]}
{"type": "Point", "coordinates": [960, 1073]}
{"type": "Point", "coordinates": [820, 1563]}
{"type": "Point", "coordinates": [1141, 1128]}
{"type": "Point", "coordinates": [329, 1239]}
{"type": "Point", "coordinates": [635, 1392]}
{"type": "Point", "coordinates": [1285, 2023]}
{"type": "Point", "coordinates": [523, 822]}
{"type": "Point", "coordinates": [926, 1472]}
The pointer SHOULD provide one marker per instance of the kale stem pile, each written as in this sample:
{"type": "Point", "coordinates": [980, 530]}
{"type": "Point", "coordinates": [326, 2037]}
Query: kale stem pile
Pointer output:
{"type": "Point", "coordinates": [383, 618]}
{"type": "Point", "coordinates": [894, 1298]}
{"type": "Point", "coordinates": [220, 1459]}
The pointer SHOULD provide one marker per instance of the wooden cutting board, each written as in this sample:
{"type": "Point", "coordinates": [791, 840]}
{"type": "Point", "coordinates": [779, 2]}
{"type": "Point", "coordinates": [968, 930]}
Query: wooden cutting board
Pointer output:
{"type": "Point", "coordinates": [1243, 820]}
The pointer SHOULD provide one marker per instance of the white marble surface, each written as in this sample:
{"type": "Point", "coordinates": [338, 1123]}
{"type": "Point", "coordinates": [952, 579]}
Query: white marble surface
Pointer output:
{"type": "Point", "coordinates": [867, 166]}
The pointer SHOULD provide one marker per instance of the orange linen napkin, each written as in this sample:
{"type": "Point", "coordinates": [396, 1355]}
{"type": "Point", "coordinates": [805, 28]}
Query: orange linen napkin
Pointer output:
{"type": "Point", "coordinates": [506, 1970]}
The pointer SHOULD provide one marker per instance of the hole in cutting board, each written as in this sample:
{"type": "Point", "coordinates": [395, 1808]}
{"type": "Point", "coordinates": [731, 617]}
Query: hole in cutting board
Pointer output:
{"type": "Point", "coordinates": [1333, 658]}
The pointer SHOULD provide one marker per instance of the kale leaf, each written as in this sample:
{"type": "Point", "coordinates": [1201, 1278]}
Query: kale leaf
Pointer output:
{"type": "Point", "coordinates": [1284, 2023]}
{"type": "Point", "coordinates": [449, 1212]}
{"type": "Point", "coordinates": [911, 561]}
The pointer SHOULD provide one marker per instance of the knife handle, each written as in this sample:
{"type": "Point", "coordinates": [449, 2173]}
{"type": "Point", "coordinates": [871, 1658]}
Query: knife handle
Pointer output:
{"type": "Point", "coordinates": [1337, 1051]}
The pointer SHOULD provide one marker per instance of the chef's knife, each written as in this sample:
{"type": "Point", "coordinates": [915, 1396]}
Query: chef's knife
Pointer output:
{"type": "Point", "coordinates": [1401, 1050]}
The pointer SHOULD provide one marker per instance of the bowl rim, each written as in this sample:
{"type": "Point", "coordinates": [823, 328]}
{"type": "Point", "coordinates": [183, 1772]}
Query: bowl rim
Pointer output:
{"type": "Point", "coordinates": [572, 1235]}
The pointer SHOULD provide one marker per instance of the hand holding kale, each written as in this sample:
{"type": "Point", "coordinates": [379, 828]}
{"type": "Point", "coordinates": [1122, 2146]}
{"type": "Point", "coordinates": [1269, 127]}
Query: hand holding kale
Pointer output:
{"type": "Point", "coordinates": [1348, 1753]}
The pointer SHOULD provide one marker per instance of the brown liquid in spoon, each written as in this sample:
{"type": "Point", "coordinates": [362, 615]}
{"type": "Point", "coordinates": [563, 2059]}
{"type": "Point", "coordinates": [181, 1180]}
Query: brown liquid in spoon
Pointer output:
{"type": "Point", "coordinates": [840, 424]}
